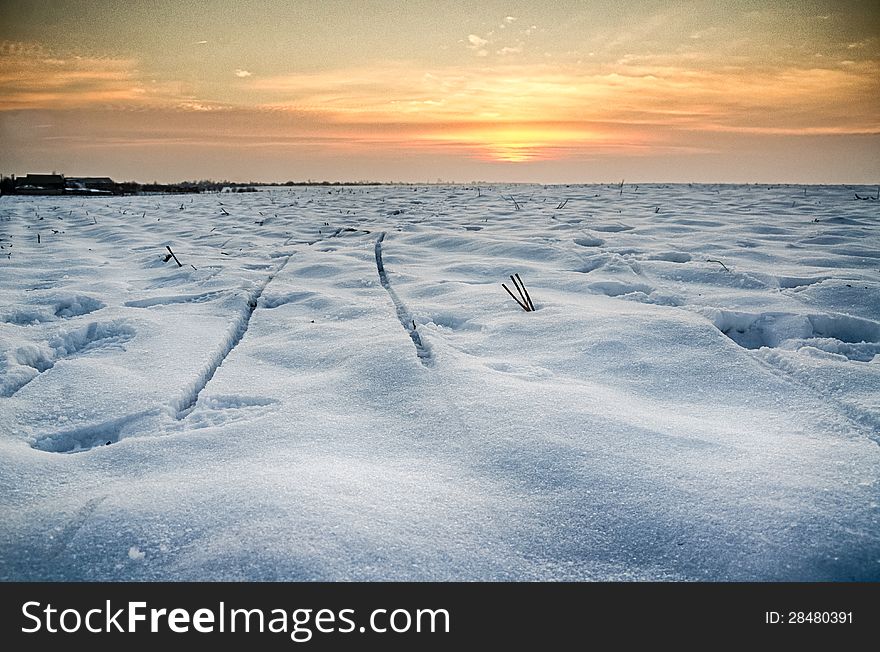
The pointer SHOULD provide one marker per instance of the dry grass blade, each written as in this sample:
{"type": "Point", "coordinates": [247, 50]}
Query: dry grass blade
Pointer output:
{"type": "Point", "coordinates": [525, 292]}
{"type": "Point", "coordinates": [512, 296]}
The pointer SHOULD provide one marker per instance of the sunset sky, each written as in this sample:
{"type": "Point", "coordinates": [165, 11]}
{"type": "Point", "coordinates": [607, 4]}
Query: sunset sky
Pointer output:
{"type": "Point", "coordinates": [412, 90]}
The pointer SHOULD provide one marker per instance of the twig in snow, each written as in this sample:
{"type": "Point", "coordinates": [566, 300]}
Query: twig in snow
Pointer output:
{"type": "Point", "coordinates": [521, 304]}
{"type": "Point", "coordinates": [524, 300]}
{"type": "Point", "coordinates": [712, 260]}
{"type": "Point", "coordinates": [522, 289]}
{"type": "Point", "coordinates": [170, 256]}
{"type": "Point", "coordinates": [513, 199]}
{"type": "Point", "coordinates": [519, 290]}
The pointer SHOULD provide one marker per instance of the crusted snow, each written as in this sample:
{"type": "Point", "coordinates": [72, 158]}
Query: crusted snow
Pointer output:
{"type": "Point", "coordinates": [334, 385]}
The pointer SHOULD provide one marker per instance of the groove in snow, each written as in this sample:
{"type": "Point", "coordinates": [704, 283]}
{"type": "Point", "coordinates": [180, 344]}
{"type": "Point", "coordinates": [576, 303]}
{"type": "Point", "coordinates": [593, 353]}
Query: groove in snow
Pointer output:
{"type": "Point", "coordinates": [187, 401]}
{"type": "Point", "coordinates": [403, 314]}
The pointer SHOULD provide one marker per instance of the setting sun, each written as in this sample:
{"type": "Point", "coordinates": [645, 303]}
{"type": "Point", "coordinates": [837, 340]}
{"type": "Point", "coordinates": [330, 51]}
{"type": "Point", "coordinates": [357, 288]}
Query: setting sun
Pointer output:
{"type": "Point", "coordinates": [515, 144]}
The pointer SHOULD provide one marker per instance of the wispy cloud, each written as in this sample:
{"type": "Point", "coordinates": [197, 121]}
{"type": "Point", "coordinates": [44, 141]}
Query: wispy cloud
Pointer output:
{"type": "Point", "coordinates": [34, 77]}
{"type": "Point", "coordinates": [516, 49]}
{"type": "Point", "coordinates": [478, 45]}
{"type": "Point", "coordinates": [800, 97]}
{"type": "Point", "coordinates": [242, 73]}
{"type": "Point", "coordinates": [200, 106]}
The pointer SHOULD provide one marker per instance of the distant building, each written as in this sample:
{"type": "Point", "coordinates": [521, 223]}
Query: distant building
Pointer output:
{"type": "Point", "coordinates": [40, 184]}
{"type": "Point", "coordinates": [91, 184]}
{"type": "Point", "coordinates": [57, 184]}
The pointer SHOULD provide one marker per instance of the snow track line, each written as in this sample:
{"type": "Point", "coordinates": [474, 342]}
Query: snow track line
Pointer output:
{"type": "Point", "coordinates": [75, 524]}
{"type": "Point", "coordinates": [92, 436]}
{"type": "Point", "coordinates": [403, 314]}
{"type": "Point", "coordinates": [185, 404]}
{"type": "Point", "coordinates": [862, 420]}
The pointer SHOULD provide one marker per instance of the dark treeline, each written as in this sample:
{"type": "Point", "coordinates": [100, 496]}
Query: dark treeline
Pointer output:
{"type": "Point", "coordinates": [208, 185]}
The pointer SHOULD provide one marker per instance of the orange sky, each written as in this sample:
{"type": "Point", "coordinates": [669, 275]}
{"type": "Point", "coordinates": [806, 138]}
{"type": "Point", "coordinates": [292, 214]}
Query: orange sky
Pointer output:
{"type": "Point", "coordinates": [500, 91]}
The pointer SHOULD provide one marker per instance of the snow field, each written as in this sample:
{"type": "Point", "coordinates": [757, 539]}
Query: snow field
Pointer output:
{"type": "Point", "coordinates": [335, 386]}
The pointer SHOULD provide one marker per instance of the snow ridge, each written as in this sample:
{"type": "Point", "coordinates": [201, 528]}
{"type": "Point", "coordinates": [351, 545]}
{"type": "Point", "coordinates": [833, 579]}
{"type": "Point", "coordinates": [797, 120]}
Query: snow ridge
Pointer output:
{"type": "Point", "coordinates": [41, 358]}
{"type": "Point", "coordinates": [91, 436]}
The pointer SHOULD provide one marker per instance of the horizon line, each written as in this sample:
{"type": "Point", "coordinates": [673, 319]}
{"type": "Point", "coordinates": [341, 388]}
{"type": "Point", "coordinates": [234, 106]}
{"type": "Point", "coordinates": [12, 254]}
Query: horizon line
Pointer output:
{"type": "Point", "coordinates": [444, 182]}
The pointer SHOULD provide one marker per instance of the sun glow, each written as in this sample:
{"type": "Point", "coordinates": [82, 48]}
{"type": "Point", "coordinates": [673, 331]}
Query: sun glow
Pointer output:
{"type": "Point", "coordinates": [518, 143]}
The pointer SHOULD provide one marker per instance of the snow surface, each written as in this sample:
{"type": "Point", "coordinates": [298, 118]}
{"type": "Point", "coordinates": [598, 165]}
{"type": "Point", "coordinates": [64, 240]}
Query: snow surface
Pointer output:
{"type": "Point", "coordinates": [334, 385]}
